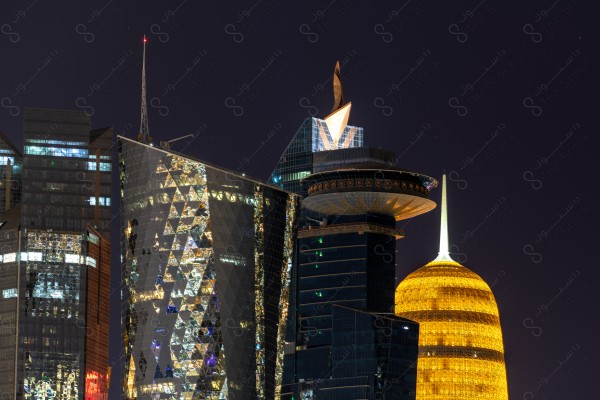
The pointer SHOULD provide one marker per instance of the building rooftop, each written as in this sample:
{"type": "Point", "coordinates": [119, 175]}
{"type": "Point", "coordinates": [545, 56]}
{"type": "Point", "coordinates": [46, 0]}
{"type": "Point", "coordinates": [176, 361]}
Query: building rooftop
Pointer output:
{"type": "Point", "coordinates": [236, 173]}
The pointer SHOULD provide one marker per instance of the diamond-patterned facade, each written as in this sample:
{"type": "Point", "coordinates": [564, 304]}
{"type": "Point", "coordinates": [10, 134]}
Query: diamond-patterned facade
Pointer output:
{"type": "Point", "coordinates": [207, 262]}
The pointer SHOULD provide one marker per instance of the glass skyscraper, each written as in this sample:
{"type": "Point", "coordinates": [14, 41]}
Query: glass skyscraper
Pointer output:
{"type": "Point", "coordinates": [313, 136]}
{"type": "Point", "coordinates": [66, 172]}
{"type": "Point", "coordinates": [55, 262]}
{"type": "Point", "coordinates": [353, 196]}
{"type": "Point", "coordinates": [207, 262]}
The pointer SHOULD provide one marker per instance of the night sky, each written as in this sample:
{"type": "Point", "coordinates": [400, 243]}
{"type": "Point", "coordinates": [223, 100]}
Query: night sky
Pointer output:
{"type": "Point", "coordinates": [501, 95]}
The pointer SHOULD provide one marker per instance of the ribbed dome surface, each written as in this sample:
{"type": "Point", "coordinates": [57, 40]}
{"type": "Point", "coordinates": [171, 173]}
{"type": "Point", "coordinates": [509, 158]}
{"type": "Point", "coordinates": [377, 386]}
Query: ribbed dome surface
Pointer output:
{"type": "Point", "coordinates": [461, 355]}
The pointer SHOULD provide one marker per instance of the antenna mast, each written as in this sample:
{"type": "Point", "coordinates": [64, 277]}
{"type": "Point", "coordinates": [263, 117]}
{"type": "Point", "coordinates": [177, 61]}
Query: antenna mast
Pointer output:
{"type": "Point", "coordinates": [144, 134]}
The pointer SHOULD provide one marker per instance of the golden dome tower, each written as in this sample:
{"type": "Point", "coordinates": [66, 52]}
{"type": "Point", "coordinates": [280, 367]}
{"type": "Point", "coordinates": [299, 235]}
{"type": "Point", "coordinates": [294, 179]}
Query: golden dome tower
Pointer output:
{"type": "Point", "coordinates": [461, 354]}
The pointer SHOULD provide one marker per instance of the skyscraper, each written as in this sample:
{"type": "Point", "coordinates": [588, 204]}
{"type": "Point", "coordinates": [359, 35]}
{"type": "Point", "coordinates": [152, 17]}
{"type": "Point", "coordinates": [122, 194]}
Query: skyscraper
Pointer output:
{"type": "Point", "coordinates": [9, 302]}
{"type": "Point", "coordinates": [353, 196]}
{"type": "Point", "coordinates": [66, 172]}
{"type": "Point", "coordinates": [55, 262]}
{"type": "Point", "coordinates": [207, 262]}
{"type": "Point", "coordinates": [461, 354]}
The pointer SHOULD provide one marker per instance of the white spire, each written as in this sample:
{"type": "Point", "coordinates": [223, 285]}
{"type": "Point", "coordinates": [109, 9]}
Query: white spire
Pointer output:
{"type": "Point", "coordinates": [444, 254]}
{"type": "Point", "coordinates": [144, 134]}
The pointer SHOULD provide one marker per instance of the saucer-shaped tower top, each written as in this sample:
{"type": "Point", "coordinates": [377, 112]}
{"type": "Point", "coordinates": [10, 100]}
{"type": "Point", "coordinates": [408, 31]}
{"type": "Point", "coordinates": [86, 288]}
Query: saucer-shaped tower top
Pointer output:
{"type": "Point", "coordinates": [461, 353]}
{"type": "Point", "coordinates": [367, 187]}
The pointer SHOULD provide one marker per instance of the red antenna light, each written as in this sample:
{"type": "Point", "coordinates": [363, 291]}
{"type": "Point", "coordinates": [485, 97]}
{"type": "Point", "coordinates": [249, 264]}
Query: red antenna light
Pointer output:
{"type": "Point", "coordinates": [145, 40]}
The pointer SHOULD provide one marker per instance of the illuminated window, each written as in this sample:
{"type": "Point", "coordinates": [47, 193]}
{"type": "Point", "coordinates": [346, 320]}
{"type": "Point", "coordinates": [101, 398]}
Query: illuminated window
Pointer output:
{"type": "Point", "coordinates": [60, 142]}
{"type": "Point", "coordinates": [102, 201]}
{"type": "Point", "coordinates": [104, 166]}
{"type": "Point", "coordinates": [72, 258]}
{"type": "Point", "coordinates": [9, 293]}
{"type": "Point", "coordinates": [90, 261]}
{"type": "Point", "coordinates": [93, 238]}
{"type": "Point", "coordinates": [56, 151]}
{"type": "Point", "coordinates": [10, 257]}
{"type": "Point", "coordinates": [4, 160]}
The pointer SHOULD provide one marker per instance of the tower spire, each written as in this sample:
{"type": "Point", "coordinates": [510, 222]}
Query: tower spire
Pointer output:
{"type": "Point", "coordinates": [444, 254]}
{"type": "Point", "coordinates": [338, 95]}
{"type": "Point", "coordinates": [337, 120]}
{"type": "Point", "coordinates": [144, 134]}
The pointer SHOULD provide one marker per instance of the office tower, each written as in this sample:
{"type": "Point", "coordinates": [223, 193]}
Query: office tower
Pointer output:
{"type": "Point", "coordinates": [54, 311]}
{"type": "Point", "coordinates": [55, 263]}
{"type": "Point", "coordinates": [9, 303]}
{"type": "Point", "coordinates": [11, 168]}
{"type": "Point", "coordinates": [207, 261]}
{"type": "Point", "coordinates": [461, 354]}
{"type": "Point", "coordinates": [66, 172]}
{"type": "Point", "coordinates": [352, 198]}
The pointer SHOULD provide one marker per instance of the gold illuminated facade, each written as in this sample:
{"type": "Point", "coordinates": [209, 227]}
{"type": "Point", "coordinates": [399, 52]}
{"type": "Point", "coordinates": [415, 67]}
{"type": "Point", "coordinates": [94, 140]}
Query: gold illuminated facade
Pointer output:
{"type": "Point", "coordinates": [461, 354]}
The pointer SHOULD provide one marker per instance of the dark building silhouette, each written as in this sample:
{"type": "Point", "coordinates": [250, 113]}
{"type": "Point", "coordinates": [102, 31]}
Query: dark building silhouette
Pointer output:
{"type": "Point", "coordinates": [11, 168]}
{"type": "Point", "coordinates": [373, 356]}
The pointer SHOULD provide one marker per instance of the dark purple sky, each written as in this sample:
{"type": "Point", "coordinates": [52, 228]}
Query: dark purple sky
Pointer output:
{"type": "Point", "coordinates": [501, 95]}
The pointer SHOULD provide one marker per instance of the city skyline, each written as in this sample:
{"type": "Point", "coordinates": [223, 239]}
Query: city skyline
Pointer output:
{"type": "Point", "coordinates": [468, 105]}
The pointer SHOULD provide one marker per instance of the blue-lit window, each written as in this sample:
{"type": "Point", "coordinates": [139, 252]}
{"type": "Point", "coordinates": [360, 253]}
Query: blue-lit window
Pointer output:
{"type": "Point", "coordinates": [102, 201]}
{"type": "Point", "coordinates": [104, 166]}
{"type": "Point", "coordinates": [60, 142]}
{"type": "Point", "coordinates": [56, 151]}
{"type": "Point", "coordinates": [4, 160]}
